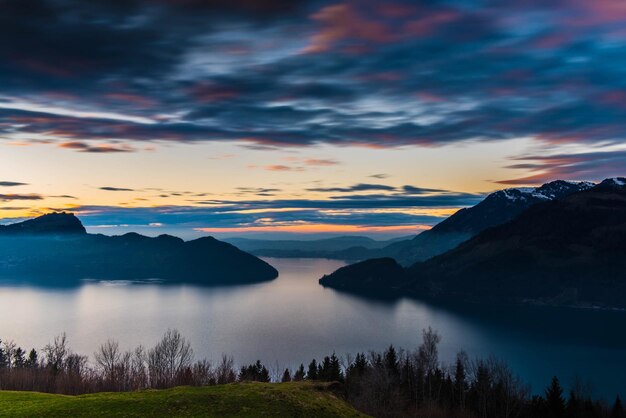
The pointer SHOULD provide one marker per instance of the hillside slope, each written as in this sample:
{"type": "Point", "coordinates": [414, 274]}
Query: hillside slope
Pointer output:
{"type": "Point", "coordinates": [568, 251]}
{"type": "Point", "coordinates": [234, 400]}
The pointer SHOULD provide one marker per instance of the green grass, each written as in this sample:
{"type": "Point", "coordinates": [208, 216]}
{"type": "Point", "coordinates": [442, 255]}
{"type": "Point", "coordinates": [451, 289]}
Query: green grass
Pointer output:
{"type": "Point", "coordinates": [301, 399]}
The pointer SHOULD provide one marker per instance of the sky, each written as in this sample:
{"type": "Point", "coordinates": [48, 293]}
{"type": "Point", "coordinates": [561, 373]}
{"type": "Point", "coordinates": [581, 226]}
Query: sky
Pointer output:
{"type": "Point", "coordinates": [280, 117]}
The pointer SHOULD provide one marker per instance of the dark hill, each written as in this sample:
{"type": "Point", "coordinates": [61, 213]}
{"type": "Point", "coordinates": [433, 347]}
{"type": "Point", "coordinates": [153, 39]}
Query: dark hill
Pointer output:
{"type": "Point", "coordinates": [568, 251]}
{"type": "Point", "coordinates": [53, 245]}
{"type": "Point", "coordinates": [370, 275]}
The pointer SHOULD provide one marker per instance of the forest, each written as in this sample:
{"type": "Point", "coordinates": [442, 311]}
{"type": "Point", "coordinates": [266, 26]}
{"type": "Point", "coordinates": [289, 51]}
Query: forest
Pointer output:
{"type": "Point", "coordinates": [392, 383]}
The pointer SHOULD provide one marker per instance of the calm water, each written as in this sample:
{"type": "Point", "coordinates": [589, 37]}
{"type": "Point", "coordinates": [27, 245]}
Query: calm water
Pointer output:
{"type": "Point", "coordinates": [292, 319]}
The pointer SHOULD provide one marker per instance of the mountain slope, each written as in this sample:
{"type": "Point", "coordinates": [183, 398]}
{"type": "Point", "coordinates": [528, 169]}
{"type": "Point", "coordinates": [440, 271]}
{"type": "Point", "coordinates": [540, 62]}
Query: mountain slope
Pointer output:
{"type": "Point", "coordinates": [495, 209]}
{"type": "Point", "coordinates": [568, 251]}
{"type": "Point", "coordinates": [57, 252]}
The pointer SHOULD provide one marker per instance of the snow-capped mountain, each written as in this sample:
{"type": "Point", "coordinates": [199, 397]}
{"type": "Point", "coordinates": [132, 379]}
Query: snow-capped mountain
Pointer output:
{"type": "Point", "coordinates": [496, 209]}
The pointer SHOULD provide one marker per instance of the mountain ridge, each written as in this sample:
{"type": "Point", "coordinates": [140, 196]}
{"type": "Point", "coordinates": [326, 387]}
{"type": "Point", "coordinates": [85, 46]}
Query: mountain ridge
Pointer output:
{"type": "Point", "coordinates": [58, 245]}
{"type": "Point", "coordinates": [566, 251]}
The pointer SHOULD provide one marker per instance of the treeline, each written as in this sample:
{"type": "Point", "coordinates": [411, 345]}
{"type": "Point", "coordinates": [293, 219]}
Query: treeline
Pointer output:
{"type": "Point", "coordinates": [393, 383]}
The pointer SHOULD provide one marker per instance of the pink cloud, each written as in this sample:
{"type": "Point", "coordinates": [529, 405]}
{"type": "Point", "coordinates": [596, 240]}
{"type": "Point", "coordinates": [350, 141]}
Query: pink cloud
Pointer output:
{"type": "Point", "coordinates": [342, 22]}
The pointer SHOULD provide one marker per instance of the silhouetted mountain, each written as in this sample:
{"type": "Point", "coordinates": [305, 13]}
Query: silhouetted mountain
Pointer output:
{"type": "Point", "coordinates": [342, 248]}
{"type": "Point", "coordinates": [496, 209]}
{"type": "Point", "coordinates": [567, 251]}
{"type": "Point", "coordinates": [57, 245]}
{"type": "Point", "coordinates": [51, 224]}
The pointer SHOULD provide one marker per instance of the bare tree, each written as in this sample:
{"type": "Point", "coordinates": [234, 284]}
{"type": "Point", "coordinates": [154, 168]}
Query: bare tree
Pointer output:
{"type": "Point", "coordinates": [107, 360]}
{"type": "Point", "coordinates": [226, 372]}
{"type": "Point", "coordinates": [56, 353]}
{"type": "Point", "coordinates": [169, 359]}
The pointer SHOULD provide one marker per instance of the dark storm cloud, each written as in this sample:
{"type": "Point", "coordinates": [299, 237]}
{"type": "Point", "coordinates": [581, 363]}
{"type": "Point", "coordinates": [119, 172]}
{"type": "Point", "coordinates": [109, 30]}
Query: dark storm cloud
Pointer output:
{"type": "Point", "coordinates": [279, 73]}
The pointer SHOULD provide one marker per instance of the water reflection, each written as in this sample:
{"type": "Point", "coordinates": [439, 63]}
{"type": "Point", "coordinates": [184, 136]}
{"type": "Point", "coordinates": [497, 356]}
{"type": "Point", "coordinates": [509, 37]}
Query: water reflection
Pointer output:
{"type": "Point", "coordinates": [292, 319]}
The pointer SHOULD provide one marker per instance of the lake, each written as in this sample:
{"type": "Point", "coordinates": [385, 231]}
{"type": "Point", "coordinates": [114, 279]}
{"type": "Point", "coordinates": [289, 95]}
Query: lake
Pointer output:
{"type": "Point", "coordinates": [293, 319]}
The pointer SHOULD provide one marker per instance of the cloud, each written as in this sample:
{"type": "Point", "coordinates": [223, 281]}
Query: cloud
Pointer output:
{"type": "Point", "coordinates": [63, 196]}
{"type": "Point", "coordinates": [297, 214]}
{"type": "Point", "coordinates": [12, 197]}
{"type": "Point", "coordinates": [116, 189]}
{"type": "Point", "coordinates": [105, 77]}
{"type": "Point", "coordinates": [593, 166]}
{"type": "Point", "coordinates": [106, 148]}
{"type": "Point", "coordinates": [281, 167]}
{"type": "Point", "coordinates": [355, 188]}
{"type": "Point", "coordinates": [11, 184]}
{"type": "Point", "coordinates": [320, 162]}
{"type": "Point", "coordinates": [379, 176]}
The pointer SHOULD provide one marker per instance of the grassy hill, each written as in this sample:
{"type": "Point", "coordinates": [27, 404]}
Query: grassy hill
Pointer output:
{"type": "Point", "coordinates": [235, 400]}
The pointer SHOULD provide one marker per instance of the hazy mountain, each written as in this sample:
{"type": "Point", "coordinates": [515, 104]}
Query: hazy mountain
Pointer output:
{"type": "Point", "coordinates": [343, 247]}
{"type": "Point", "coordinates": [57, 245]}
{"type": "Point", "coordinates": [567, 251]}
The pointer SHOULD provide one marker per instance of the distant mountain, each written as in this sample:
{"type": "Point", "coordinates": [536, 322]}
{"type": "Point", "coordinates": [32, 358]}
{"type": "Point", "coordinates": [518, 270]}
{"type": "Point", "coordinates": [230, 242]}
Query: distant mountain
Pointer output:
{"type": "Point", "coordinates": [342, 248]}
{"type": "Point", "coordinates": [567, 251]}
{"type": "Point", "coordinates": [51, 224]}
{"type": "Point", "coordinates": [496, 209]}
{"type": "Point", "coordinates": [58, 245]}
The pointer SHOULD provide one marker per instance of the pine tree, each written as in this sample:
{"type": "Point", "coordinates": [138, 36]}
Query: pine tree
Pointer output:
{"type": "Point", "coordinates": [618, 409]}
{"type": "Point", "coordinates": [391, 363]}
{"type": "Point", "coordinates": [312, 373]}
{"type": "Point", "coordinates": [299, 374]}
{"type": "Point", "coordinates": [460, 381]}
{"type": "Point", "coordinates": [33, 359]}
{"type": "Point", "coordinates": [18, 358]}
{"type": "Point", "coordinates": [286, 376]}
{"type": "Point", "coordinates": [334, 371]}
{"type": "Point", "coordinates": [4, 357]}
{"type": "Point", "coordinates": [555, 403]}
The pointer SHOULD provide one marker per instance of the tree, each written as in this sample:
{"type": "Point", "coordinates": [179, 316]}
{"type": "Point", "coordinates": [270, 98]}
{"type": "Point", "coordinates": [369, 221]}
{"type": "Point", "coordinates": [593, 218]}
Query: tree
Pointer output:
{"type": "Point", "coordinates": [555, 404]}
{"type": "Point", "coordinates": [107, 359]}
{"type": "Point", "coordinates": [286, 376]}
{"type": "Point", "coordinates": [56, 354]}
{"type": "Point", "coordinates": [225, 372]}
{"type": "Point", "coordinates": [19, 359]}
{"type": "Point", "coordinates": [169, 359]}
{"type": "Point", "coordinates": [256, 372]}
{"type": "Point", "coordinates": [618, 409]}
{"type": "Point", "coordinates": [33, 359]}
{"type": "Point", "coordinates": [299, 374]}
{"type": "Point", "coordinates": [391, 363]}
{"type": "Point", "coordinates": [4, 358]}
{"type": "Point", "coordinates": [312, 372]}
{"type": "Point", "coordinates": [460, 379]}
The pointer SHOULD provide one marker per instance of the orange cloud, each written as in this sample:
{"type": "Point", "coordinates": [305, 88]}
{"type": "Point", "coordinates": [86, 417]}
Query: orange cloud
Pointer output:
{"type": "Point", "coordinates": [320, 228]}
